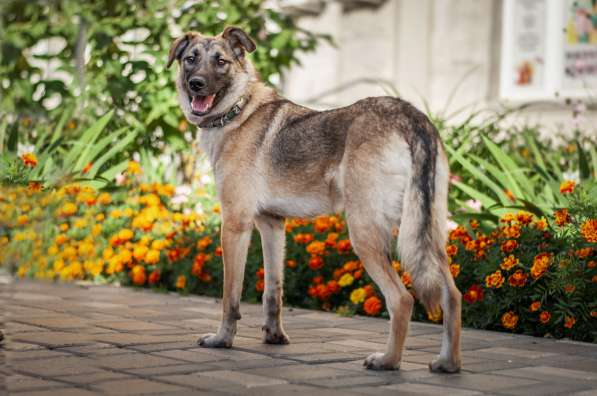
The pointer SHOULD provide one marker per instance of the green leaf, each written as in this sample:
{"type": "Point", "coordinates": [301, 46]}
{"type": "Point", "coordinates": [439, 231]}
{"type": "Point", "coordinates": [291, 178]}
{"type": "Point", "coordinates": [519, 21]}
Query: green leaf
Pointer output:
{"type": "Point", "coordinates": [583, 162]}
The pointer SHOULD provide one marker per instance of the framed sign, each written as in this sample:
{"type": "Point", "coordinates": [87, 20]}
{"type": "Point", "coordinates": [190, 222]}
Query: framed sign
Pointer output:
{"type": "Point", "coordinates": [549, 50]}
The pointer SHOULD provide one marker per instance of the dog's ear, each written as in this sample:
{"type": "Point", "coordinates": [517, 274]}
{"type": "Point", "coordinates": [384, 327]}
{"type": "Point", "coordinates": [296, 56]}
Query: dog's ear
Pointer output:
{"type": "Point", "coordinates": [177, 48]}
{"type": "Point", "coordinates": [239, 40]}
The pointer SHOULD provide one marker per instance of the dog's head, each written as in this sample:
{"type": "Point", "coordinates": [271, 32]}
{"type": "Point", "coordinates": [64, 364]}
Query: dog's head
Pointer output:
{"type": "Point", "coordinates": [213, 71]}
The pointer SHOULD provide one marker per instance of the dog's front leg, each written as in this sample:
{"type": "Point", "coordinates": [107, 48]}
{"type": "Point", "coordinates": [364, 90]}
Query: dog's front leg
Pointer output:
{"type": "Point", "coordinates": [236, 236]}
{"type": "Point", "coordinates": [273, 240]}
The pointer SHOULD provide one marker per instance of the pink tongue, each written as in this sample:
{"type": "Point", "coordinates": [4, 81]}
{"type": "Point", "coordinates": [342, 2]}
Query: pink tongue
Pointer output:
{"type": "Point", "coordinates": [201, 104]}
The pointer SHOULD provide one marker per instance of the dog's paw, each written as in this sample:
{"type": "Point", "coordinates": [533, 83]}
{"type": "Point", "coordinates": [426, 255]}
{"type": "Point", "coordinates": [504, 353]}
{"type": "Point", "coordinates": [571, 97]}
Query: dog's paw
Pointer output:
{"type": "Point", "coordinates": [440, 365]}
{"type": "Point", "coordinates": [276, 336]}
{"type": "Point", "coordinates": [211, 340]}
{"type": "Point", "coordinates": [379, 361]}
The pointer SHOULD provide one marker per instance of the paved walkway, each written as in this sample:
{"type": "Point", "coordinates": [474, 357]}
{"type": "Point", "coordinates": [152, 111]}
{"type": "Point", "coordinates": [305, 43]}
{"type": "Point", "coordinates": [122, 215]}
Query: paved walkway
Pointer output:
{"type": "Point", "coordinates": [80, 340]}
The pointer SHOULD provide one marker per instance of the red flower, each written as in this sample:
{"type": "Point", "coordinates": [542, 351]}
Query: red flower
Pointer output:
{"type": "Point", "coordinates": [154, 277]}
{"type": "Point", "coordinates": [333, 287]}
{"type": "Point", "coordinates": [259, 285]}
{"type": "Point", "coordinates": [372, 306]}
{"type": "Point", "coordinates": [474, 294]}
{"type": "Point", "coordinates": [343, 246]}
{"type": "Point", "coordinates": [315, 263]}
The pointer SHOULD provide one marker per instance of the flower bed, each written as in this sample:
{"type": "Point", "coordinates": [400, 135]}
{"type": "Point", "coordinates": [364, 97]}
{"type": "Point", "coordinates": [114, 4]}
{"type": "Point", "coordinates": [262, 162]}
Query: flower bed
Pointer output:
{"type": "Point", "coordinates": [527, 275]}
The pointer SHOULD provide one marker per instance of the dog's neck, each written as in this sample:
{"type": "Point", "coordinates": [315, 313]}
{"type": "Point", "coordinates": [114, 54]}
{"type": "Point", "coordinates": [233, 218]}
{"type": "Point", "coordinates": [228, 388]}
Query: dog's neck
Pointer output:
{"type": "Point", "coordinates": [211, 139]}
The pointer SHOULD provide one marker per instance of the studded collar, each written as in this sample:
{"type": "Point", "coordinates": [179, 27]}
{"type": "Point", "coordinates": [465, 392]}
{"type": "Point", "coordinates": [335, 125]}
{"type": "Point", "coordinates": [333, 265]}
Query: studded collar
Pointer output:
{"type": "Point", "coordinates": [220, 121]}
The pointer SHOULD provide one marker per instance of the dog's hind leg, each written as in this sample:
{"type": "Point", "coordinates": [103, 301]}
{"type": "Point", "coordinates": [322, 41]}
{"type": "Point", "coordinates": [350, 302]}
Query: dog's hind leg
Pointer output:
{"type": "Point", "coordinates": [372, 244]}
{"type": "Point", "coordinates": [236, 236]}
{"type": "Point", "coordinates": [273, 239]}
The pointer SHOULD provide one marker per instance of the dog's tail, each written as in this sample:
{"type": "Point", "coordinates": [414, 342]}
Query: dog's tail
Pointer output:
{"type": "Point", "coordinates": [422, 234]}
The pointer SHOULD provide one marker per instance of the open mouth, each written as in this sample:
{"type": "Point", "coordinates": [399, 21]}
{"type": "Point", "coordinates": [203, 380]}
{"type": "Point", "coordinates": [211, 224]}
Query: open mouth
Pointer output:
{"type": "Point", "coordinates": [201, 105]}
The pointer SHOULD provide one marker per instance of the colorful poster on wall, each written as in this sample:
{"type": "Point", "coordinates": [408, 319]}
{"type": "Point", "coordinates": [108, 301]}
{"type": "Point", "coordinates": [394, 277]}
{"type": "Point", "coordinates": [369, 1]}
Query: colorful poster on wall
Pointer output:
{"type": "Point", "coordinates": [528, 60]}
{"type": "Point", "coordinates": [580, 46]}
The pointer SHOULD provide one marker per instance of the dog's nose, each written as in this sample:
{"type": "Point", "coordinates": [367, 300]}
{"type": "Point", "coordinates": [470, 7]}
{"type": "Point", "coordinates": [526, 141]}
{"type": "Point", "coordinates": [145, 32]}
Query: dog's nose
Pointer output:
{"type": "Point", "coordinates": [197, 83]}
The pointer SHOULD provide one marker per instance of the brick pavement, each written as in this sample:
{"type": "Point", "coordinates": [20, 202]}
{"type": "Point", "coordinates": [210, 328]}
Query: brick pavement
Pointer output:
{"type": "Point", "coordinates": [82, 340]}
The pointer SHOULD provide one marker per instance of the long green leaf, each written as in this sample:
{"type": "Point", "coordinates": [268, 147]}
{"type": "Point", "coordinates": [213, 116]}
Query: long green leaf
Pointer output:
{"type": "Point", "coordinates": [475, 194]}
{"type": "Point", "coordinates": [114, 150]}
{"type": "Point", "coordinates": [583, 162]}
{"type": "Point", "coordinates": [77, 151]}
{"type": "Point", "coordinates": [511, 169]}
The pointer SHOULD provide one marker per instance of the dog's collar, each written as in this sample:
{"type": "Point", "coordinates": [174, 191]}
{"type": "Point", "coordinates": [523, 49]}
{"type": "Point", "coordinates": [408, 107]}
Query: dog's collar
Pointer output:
{"type": "Point", "coordinates": [226, 118]}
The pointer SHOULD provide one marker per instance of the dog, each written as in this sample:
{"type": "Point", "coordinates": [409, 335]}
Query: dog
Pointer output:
{"type": "Point", "coordinates": [379, 160]}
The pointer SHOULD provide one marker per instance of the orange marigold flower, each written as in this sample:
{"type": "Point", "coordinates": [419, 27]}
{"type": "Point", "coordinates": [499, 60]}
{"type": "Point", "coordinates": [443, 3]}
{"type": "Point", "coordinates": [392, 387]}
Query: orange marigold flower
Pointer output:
{"type": "Point", "coordinates": [315, 263]}
{"type": "Point", "coordinates": [317, 280]}
{"type": "Point", "coordinates": [535, 305]}
{"type": "Point", "coordinates": [495, 280]}
{"type": "Point", "coordinates": [594, 279]}
{"type": "Point", "coordinates": [333, 287]}
{"type": "Point", "coordinates": [509, 262]}
{"type": "Point", "coordinates": [567, 186]}
{"type": "Point", "coordinates": [594, 314]}
{"type": "Point", "coordinates": [588, 230]}
{"type": "Point", "coordinates": [322, 224]}
{"type": "Point", "coordinates": [154, 277]}
{"type": "Point", "coordinates": [474, 224]}
{"type": "Point", "coordinates": [524, 218]}
{"type": "Point", "coordinates": [181, 282]}
{"type": "Point", "coordinates": [584, 252]}
{"type": "Point", "coordinates": [455, 270]}
{"type": "Point", "coordinates": [139, 252]}
{"type": "Point", "coordinates": [331, 239]}
{"type": "Point", "coordinates": [396, 265]}
{"type": "Point", "coordinates": [562, 217]}
{"type": "Point", "coordinates": [152, 256]}
{"type": "Point", "coordinates": [125, 235]}
{"type": "Point", "coordinates": [372, 306]}
{"type": "Point", "coordinates": [350, 266]}
{"type": "Point", "coordinates": [29, 160]}
{"type": "Point", "coordinates": [291, 263]}
{"type": "Point", "coordinates": [473, 294]}
{"type": "Point", "coordinates": [303, 238]}
{"type": "Point", "coordinates": [518, 279]}
{"type": "Point", "coordinates": [569, 322]}
{"type": "Point", "coordinates": [569, 288]}
{"type": "Point", "coordinates": [138, 275]}
{"type": "Point", "coordinates": [369, 290]}
{"type": "Point", "coordinates": [218, 251]}
{"type": "Point", "coordinates": [592, 264]}
{"type": "Point", "coordinates": [316, 247]}
{"type": "Point", "coordinates": [544, 317]}
{"type": "Point", "coordinates": [343, 246]}
{"type": "Point", "coordinates": [509, 245]}
{"type": "Point", "coordinates": [323, 292]}
{"type": "Point", "coordinates": [34, 186]}
{"type": "Point", "coordinates": [509, 320]}
{"type": "Point", "coordinates": [541, 264]}
{"type": "Point", "coordinates": [68, 209]}
{"type": "Point", "coordinates": [203, 243]}
{"type": "Point", "coordinates": [451, 250]}
{"type": "Point", "coordinates": [541, 224]}
{"type": "Point", "coordinates": [260, 273]}
{"type": "Point", "coordinates": [259, 285]}
{"type": "Point", "coordinates": [512, 231]}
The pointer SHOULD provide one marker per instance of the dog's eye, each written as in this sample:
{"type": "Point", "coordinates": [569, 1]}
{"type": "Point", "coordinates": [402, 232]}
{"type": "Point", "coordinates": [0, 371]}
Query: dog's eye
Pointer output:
{"type": "Point", "coordinates": [190, 60]}
{"type": "Point", "coordinates": [221, 62]}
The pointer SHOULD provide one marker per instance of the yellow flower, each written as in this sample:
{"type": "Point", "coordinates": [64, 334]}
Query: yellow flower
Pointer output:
{"type": "Point", "coordinates": [455, 270]}
{"type": "Point", "coordinates": [346, 280]}
{"type": "Point", "coordinates": [99, 217]}
{"type": "Point", "coordinates": [152, 256]}
{"type": "Point", "coordinates": [358, 295]}
{"type": "Point", "coordinates": [68, 209]}
{"type": "Point", "coordinates": [104, 198]}
{"type": "Point", "coordinates": [125, 235]}
{"type": "Point", "coordinates": [541, 224]}
{"type": "Point", "coordinates": [139, 252]}
{"type": "Point", "coordinates": [63, 227]}
{"type": "Point", "coordinates": [29, 160]}
{"type": "Point", "coordinates": [60, 239]}
{"type": "Point", "coordinates": [22, 219]}
{"type": "Point", "coordinates": [134, 168]}
{"type": "Point", "coordinates": [316, 247]}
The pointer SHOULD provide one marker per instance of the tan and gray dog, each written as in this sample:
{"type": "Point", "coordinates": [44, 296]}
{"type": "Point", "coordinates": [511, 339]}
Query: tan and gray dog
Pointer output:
{"type": "Point", "coordinates": [380, 160]}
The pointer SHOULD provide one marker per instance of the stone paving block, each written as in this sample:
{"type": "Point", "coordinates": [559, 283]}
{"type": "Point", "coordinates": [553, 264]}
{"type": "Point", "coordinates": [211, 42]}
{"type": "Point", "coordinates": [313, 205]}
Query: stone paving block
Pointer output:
{"type": "Point", "coordinates": [133, 325]}
{"type": "Point", "coordinates": [158, 371]}
{"type": "Point", "coordinates": [407, 389]}
{"type": "Point", "coordinates": [294, 389]}
{"type": "Point", "coordinates": [543, 389]}
{"type": "Point", "coordinates": [300, 372]}
{"type": "Point", "coordinates": [189, 355]}
{"type": "Point", "coordinates": [514, 352]}
{"type": "Point", "coordinates": [157, 347]}
{"type": "Point", "coordinates": [136, 386]}
{"type": "Point", "coordinates": [58, 391]}
{"type": "Point", "coordinates": [91, 378]}
{"type": "Point", "coordinates": [347, 382]}
{"type": "Point", "coordinates": [133, 360]}
{"type": "Point", "coordinates": [53, 339]}
{"type": "Point", "coordinates": [55, 366]}
{"type": "Point", "coordinates": [34, 354]}
{"type": "Point", "coordinates": [20, 383]}
{"type": "Point", "coordinates": [552, 373]}
{"type": "Point", "coordinates": [244, 379]}
{"type": "Point", "coordinates": [478, 382]}
{"type": "Point", "coordinates": [263, 362]}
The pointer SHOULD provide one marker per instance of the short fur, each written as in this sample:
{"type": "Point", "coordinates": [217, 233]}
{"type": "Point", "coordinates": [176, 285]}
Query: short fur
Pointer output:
{"type": "Point", "coordinates": [379, 159]}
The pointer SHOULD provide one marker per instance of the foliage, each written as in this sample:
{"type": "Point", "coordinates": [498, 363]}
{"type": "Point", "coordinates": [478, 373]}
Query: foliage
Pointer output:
{"type": "Point", "coordinates": [530, 275]}
{"type": "Point", "coordinates": [95, 56]}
